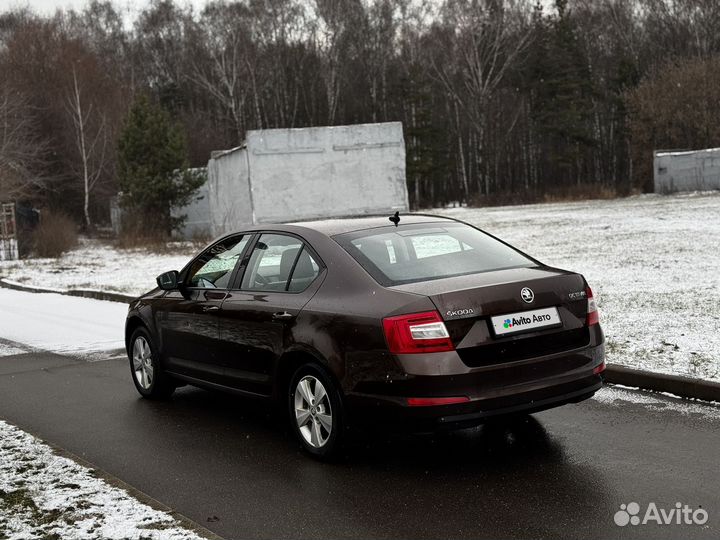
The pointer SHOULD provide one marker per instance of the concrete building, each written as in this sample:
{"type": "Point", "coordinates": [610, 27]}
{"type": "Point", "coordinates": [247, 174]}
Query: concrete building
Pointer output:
{"type": "Point", "coordinates": [695, 170]}
{"type": "Point", "coordinates": [281, 175]}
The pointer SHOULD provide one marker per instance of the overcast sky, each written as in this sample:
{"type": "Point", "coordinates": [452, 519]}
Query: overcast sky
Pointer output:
{"type": "Point", "coordinates": [48, 7]}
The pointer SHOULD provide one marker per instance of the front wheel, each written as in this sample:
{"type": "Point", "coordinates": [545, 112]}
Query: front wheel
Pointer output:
{"type": "Point", "coordinates": [317, 416]}
{"type": "Point", "coordinates": [148, 376]}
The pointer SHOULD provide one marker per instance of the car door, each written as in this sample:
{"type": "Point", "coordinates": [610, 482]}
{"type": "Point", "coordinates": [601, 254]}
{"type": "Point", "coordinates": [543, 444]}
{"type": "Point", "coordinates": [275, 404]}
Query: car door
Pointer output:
{"type": "Point", "coordinates": [188, 319]}
{"type": "Point", "coordinates": [278, 277]}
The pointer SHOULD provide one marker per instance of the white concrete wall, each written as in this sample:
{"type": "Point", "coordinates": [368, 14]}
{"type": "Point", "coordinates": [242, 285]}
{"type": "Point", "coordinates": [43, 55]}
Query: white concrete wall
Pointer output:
{"type": "Point", "coordinates": [687, 171]}
{"type": "Point", "coordinates": [297, 174]}
{"type": "Point", "coordinates": [197, 215]}
{"type": "Point", "coordinates": [228, 191]}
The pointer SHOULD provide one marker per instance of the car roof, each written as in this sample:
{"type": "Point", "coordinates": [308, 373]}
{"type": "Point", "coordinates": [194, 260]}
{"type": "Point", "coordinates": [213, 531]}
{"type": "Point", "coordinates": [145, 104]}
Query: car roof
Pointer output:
{"type": "Point", "coordinates": [335, 226]}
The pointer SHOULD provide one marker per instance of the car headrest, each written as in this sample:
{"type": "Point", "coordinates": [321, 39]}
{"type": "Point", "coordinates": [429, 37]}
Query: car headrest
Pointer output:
{"type": "Point", "coordinates": [304, 267]}
{"type": "Point", "coordinates": [376, 251]}
{"type": "Point", "coordinates": [286, 261]}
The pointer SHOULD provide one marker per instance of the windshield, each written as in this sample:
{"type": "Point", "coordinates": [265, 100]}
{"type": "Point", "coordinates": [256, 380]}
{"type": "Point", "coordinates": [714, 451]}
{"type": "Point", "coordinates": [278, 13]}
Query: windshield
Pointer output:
{"type": "Point", "coordinates": [422, 252]}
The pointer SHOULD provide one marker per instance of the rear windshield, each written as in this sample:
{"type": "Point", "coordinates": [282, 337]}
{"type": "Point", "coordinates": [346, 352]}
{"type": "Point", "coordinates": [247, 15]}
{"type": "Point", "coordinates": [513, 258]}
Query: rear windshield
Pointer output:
{"type": "Point", "coordinates": [422, 252]}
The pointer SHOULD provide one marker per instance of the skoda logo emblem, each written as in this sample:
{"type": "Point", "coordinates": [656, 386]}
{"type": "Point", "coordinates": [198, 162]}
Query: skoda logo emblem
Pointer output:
{"type": "Point", "coordinates": [527, 294]}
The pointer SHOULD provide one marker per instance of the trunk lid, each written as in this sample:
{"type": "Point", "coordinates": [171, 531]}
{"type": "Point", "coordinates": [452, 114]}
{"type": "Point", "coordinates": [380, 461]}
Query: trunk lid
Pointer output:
{"type": "Point", "coordinates": [468, 303]}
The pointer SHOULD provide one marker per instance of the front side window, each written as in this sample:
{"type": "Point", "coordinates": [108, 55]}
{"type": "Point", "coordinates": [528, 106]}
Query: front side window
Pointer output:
{"type": "Point", "coordinates": [279, 263]}
{"type": "Point", "coordinates": [396, 255]}
{"type": "Point", "coordinates": [214, 268]}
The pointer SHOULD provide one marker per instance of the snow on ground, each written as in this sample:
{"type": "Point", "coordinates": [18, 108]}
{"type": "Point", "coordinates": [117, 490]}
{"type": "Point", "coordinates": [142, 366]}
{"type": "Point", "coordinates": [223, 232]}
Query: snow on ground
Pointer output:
{"type": "Point", "coordinates": [95, 265]}
{"type": "Point", "coordinates": [7, 349]}
{"type": "Point", "coordinates": [652, 260]}
{"type": "Point", "coordinates": [617, 396]}
{"type": "Point", "coordinates": [43, 495]}
{"type": "Point", "coordinates": [62, 324]}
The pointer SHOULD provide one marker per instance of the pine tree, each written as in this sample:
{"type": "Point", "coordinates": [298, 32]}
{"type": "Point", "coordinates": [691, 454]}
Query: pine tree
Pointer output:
{"type": "Point", "coordinates": [426, 152]}
{"type": "Point", "coordinates": [562, 94]}
{"type": "Point", "coordinates": [153, 168]}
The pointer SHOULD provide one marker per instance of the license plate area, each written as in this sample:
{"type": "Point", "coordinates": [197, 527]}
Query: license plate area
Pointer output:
{"type": "Point", "coordinates": [525, 321]}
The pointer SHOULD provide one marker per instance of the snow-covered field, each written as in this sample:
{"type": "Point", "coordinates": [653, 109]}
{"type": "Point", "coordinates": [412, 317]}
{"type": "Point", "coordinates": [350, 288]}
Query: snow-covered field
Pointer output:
{"type": "Point", "coordinates": [653, 261]}
{"type": "Point", "coordinates": [43, 495]}
{"type": "Point", "coordinates": [99, 266]}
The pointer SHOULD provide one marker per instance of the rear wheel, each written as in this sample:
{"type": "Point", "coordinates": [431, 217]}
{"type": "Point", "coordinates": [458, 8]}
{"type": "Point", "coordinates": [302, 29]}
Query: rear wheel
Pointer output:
{"type": "Point", "coordinates": [148, 376]}
{"type": "Point", "coordinates": [317, 416]}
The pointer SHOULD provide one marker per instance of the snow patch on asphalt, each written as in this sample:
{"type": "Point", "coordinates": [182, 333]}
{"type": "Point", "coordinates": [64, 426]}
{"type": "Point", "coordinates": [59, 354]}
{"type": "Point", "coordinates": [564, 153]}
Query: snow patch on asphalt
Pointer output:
{"type": "Point", "coordinates": [43, 495]}
{"type": "Point", "coordinates": [10, 350]}
{"type": "Point", "coordinates": [62, 324]}
{"type": "Point", "coordinates": [620, 395]}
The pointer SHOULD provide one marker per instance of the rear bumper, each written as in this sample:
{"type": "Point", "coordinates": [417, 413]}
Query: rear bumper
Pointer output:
{"type": "Point", "coordinates": [517, 387]}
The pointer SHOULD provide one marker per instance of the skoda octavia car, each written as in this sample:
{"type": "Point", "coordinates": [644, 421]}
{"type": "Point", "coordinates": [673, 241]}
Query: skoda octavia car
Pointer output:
{"type": "Point", "coordinates": [428, 323]}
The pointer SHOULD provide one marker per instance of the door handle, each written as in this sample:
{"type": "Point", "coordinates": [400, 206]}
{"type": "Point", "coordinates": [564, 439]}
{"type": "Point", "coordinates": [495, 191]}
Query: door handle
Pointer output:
{"type": "Point", "coordinates": [282, 316]}
{"type": "Point", "coordinates": [206, 309]}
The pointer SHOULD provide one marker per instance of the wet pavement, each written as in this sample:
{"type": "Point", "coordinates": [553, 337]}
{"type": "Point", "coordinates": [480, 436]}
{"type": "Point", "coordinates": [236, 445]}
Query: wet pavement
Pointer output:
{"type": "Point", "coordinates": [229, 465]}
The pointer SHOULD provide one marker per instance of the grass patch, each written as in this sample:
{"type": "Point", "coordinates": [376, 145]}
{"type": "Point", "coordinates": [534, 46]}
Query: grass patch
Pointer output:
{"type": "Point", "coordinates": [18, 499]}
{"type": "Point", "coordinates": [56, 234]}
{"type": "Point", "coordinates": [158, 525]}
{"type": "Point", "coordinates": [68, 486]}
{"type": "Point", "coordinates": [582, 192]}
{"type": "Point", "coordinates": [20, 502]}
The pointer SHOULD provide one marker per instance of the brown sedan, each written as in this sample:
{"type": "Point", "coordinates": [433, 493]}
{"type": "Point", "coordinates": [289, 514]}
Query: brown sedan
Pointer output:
{"type": "Point", "coordinates": [428, 323]}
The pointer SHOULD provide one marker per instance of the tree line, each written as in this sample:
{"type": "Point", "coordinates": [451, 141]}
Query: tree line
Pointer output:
{"type": "Point", "coordinates": [501, 100]}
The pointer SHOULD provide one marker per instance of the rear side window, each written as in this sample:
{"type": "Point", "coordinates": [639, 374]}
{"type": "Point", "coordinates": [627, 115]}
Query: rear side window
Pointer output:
{"type": "Point", "coordinates": [279, 263]}
{"type": "Point", "coordinates": [411, 253]}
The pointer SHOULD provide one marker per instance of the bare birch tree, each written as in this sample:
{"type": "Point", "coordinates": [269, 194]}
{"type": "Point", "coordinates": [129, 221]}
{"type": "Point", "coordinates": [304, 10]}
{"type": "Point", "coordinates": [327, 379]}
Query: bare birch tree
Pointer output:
{"type": "Point", "coordinates": [224, 70]}
{"type": "Point", "coordinates": [22, 153]}
{"type": "Point", "coordinates": [90, 140]}
{"type": "Point", "coordinates": [483, 43]}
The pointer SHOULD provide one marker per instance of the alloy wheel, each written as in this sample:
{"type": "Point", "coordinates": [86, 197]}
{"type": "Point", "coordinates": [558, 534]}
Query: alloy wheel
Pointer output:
{"type": "Point", "coordinates": [142, 363]}
{"type": "Point", "coordinates": [313, 412]}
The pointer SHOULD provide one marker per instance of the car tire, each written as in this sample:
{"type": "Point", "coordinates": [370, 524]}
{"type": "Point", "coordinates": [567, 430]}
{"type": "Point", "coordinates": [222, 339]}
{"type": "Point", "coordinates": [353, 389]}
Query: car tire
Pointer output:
{"type": "Point", "coordinates": [145, 367]}
{"type": "Point", "coordinates": [318, 424]}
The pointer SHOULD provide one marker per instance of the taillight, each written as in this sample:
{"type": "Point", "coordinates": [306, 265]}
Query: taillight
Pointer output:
{"type": "Point", "coordinates": [593, 315]}
{"type": "Point", "coordinates": [417, 333]}
{"type": "Point", "coordinates": [599, 369]}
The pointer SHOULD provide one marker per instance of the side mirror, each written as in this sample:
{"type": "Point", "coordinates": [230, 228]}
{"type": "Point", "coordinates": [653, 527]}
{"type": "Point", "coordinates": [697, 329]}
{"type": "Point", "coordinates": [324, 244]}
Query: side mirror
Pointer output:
{"type": "Point", "coordinates": [168, 281]}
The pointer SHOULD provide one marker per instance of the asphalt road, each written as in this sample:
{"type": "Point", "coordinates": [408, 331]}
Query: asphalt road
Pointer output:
{"type": "Point", "coordinates": [227, 464]}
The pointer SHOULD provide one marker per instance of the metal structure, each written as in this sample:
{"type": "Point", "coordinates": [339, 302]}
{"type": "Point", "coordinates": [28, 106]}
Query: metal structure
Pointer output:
{"type": "Point", "coordinates": [8, 233]}
{"type": "Point", "coordinates": [695, 170]}
{"type": "Point", "coordinates": [282, 175]}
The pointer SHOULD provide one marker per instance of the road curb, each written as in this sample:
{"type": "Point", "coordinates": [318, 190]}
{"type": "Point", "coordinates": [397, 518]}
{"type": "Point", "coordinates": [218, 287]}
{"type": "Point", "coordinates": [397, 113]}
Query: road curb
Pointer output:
{"type": "Point", "coordinates": [662, 382]}
{"type": "Point", "coordinates": [83, 293]}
